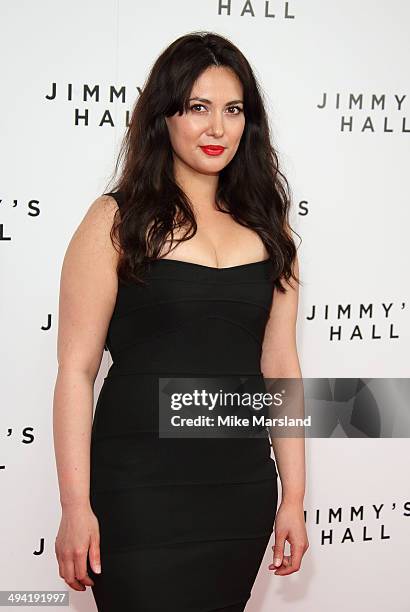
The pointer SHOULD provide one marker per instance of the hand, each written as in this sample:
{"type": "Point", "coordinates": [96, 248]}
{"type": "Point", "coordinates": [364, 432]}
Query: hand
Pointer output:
{"type": "Point", "coordinates": [289, 525]}
{"type": "Point", "coordinates": [78, 534]}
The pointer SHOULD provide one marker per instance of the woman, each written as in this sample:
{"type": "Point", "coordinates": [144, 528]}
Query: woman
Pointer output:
{"type": "Point", "coordinates": [154, 523]}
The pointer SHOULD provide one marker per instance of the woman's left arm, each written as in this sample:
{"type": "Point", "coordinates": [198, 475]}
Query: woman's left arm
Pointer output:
{"type": "Point", "coordinates": [280, 360]}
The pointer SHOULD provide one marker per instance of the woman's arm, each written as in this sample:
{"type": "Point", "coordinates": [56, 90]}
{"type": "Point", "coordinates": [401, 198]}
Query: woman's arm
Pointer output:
{"type": "Point", "coordinates": [88, 289]}
{"type": "Point", "coordinates": [280, 360]}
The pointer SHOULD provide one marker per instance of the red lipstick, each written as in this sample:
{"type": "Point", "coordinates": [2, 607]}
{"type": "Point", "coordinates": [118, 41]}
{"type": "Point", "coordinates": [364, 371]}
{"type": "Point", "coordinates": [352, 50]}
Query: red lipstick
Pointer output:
{"type": "Point", "coordinates": [213, 149]}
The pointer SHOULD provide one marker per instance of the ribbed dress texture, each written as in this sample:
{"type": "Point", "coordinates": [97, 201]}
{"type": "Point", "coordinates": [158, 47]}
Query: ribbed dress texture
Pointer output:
{"type": "Point", "coordinates": [184, 522]}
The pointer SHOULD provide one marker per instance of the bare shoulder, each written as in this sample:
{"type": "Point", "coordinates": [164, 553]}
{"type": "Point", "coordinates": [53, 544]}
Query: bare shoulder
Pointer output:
{"type": "Point", "coordinates": [88, 288]}
{"type": "Point", "coordinates": [97, 219]}
{"type": "Point", "coordinates": [90, 254]}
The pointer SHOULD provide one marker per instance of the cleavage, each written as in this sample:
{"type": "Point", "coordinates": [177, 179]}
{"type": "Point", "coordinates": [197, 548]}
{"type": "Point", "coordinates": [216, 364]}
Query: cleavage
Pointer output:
{"type": "Point", "coordinates": [222, 244]}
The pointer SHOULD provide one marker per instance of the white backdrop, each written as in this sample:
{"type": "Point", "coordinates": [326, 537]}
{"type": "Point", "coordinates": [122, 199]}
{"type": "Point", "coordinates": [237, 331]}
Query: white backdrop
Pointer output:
{"type": "Point", "coordinates": [336, 77]}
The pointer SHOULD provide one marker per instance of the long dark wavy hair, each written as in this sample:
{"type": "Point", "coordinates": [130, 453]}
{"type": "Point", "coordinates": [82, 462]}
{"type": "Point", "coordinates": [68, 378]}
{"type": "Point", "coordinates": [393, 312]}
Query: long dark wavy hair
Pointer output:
{"type": "Point", "coordinates": [251, 187]}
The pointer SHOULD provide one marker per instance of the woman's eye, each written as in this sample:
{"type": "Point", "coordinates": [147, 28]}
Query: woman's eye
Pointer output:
{"type": "Point", "coordinates": [196, 106]}
{"type": "Point", "coordinates": [237, 108]}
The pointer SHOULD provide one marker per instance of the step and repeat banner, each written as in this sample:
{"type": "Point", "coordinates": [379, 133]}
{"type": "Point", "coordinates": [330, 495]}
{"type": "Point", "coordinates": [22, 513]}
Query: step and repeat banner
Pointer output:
{"type": "Point", "coordinates": [335, 80]}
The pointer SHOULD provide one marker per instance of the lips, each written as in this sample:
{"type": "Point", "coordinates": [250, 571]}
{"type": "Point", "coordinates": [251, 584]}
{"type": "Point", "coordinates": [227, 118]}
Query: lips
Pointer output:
{"type": "Point", "coordinates": [213, 149]}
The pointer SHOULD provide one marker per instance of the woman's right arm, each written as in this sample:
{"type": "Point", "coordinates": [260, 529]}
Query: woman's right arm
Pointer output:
{"type": "Point", "coordinates": [88, 289]}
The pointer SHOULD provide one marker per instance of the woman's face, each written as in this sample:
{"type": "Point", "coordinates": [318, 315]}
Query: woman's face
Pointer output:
{"type": "Point", "coordinates": [215, 117]}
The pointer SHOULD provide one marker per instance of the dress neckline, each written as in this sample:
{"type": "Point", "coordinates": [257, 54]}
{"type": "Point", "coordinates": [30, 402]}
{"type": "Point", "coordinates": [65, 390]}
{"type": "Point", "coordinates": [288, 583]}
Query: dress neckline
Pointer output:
{"type": "Point", "coordinates": [197, 265]}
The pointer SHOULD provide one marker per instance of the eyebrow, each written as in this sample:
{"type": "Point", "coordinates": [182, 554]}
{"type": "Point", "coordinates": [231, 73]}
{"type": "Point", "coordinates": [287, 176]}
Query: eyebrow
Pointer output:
{"type": "Point", "coordinates": [209, 101]}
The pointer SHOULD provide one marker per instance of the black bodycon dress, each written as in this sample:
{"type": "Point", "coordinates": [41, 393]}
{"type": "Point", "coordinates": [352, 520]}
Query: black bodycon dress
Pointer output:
{"type": "Point", "coordinates": [184, 522]}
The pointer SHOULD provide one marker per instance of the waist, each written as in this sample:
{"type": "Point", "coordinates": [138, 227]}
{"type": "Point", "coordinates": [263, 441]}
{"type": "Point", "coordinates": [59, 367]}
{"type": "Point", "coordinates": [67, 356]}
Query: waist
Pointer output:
{"type": "Point", "coordinates": [117, 370]}
{"type": "Point", "coordinates": [132, 402]}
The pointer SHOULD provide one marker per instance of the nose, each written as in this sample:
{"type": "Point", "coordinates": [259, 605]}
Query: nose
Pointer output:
{"type": "Point", "coordinates": [216, 126]}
